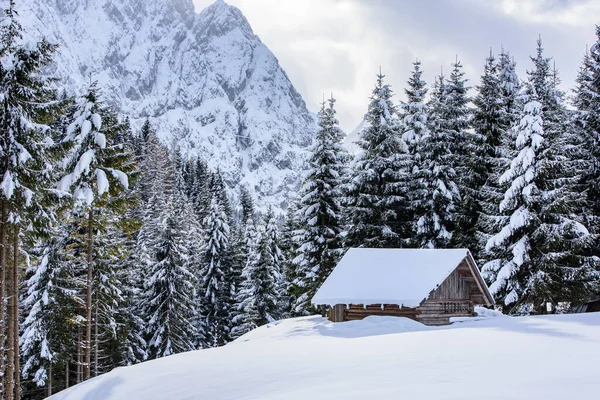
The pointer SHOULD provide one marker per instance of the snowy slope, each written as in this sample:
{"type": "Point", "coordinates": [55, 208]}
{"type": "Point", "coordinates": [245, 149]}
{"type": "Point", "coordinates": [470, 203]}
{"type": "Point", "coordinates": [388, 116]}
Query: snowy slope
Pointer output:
{"type": "Point", "coordinates": [553, 357]}
{"type": "Point", "coordinates": [205, 80]}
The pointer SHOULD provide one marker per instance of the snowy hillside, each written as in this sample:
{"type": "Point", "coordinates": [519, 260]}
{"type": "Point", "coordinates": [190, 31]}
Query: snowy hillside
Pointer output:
{"type": "Point", "coordinates": [205, 80]}
{"type": "Point", "coordinates": [551, 357]}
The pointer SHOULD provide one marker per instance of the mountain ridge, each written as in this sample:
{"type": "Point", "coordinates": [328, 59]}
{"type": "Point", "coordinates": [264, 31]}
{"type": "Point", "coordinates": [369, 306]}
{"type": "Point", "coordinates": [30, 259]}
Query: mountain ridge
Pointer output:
{"type": "Point", "coordinates": [207, 83]}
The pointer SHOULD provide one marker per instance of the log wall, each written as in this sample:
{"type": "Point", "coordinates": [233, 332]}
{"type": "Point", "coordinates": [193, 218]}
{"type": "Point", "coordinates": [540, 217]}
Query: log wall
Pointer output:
{"type": "Point", "coordinates": [355, 312]}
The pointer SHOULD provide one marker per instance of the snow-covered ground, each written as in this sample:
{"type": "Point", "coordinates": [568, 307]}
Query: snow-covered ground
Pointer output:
{"type": "Point", "coordinates": [546, 357]}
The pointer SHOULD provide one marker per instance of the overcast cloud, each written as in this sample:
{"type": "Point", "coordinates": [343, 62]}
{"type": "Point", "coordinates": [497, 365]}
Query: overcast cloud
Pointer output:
{"type": "Point", "coordinates": [338, 45]}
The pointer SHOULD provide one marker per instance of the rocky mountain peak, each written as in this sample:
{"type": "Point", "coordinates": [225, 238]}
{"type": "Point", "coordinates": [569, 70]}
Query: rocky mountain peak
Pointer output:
{"type": "Point", "coordinates": [206, 82]}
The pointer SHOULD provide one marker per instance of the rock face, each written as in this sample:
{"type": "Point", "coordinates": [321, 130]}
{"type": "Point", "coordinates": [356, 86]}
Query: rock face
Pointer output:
{"type": "Point", "coordinates": [206, 81]}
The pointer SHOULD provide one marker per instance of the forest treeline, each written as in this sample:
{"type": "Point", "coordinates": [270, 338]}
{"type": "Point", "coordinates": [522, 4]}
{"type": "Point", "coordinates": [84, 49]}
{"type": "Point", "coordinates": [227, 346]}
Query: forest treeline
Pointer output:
{"type": "Point", "coordinates": [115, 250]}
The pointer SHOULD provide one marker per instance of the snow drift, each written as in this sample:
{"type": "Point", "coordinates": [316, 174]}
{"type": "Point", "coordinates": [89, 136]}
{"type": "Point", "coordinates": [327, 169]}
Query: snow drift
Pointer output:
{"type": "Point", "coordinates": [550, 357]}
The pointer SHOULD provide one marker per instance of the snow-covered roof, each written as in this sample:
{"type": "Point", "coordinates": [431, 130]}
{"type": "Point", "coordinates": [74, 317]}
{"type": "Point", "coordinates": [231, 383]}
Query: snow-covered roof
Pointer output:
{"type": "Point", "coordinates": [388, 276]}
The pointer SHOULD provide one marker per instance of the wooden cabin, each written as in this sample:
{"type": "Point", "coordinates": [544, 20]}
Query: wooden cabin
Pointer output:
{"type": "Point", "coordinates": [593, 305]}
{"type": "Point", "coordinates": [427, 285]}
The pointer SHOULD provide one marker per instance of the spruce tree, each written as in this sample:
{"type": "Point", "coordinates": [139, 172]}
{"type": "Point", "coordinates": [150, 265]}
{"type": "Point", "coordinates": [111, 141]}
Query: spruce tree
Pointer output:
{"type": "Point", "coordinates": [378, 203]}
{"type": "Point", "coordinates": [169, 299]}
{"type": "Point", "coordinates": [320, 214]}
{"type": "Point", "coordinates": [246, 311]}
{"type": "Point", "coordinates": [467, 148]}
{"type": "Point", "coordinates": [215, 290]}
{"type": "Point", "coordinates": [437, 194]}
{"type": "Point", "coordinates": [414, 111]}
{"type": "Point", "coordinates": [99, 163]}
{"type": "Point", "coordinates": [587, 126]}
{"type": "Point", "coordinates": [497, 109]}
{"type": "Point", "coordinates": [29, 104]}
{"type": "Point", "coordinates": [540, 242]}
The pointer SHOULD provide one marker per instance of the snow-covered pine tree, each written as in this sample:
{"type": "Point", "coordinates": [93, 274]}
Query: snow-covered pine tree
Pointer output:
{"type": "Point", "coordinates": [98, 171]}
{"type": "Point", "coordinates": [215, 290]}
{"type": "Point", "coordinates": [490, 126]}
{"type": "Point", "coordinates": [587, 126]}
{"type": "Point", "coordinates": [497, 109]}
{"type": "Point", "coordinates": [273, 242]}
{"type": "Point", "coordinates": [246, 313]}
{"type": "Point", "coordinates": [540, 245]}
{"type": "Point", "coordinates": [436, 192]}
{"type": "Point", "coordinates": [414, 111]}
{"type": "Point", "coordinates": [201, 196]}
{"type": "Point", "coordinates": [169, 292]}
{"type": "Point", "coordinates": [289, 292]}
{"type": "Point", "coordinates": [467, 147]}
{"type": "Point", "coordinates": [50, 301]}
{"type": "Point", "coordinates": [378, 204]}
{"type": "Point", "coordinates": [414, 127]}
{"type": "Point", "coordinates": [258, 298]}
{"type": "Point", "coordinates": [28, 104]}
{"type": "Point", "coordinates": [320, 214]}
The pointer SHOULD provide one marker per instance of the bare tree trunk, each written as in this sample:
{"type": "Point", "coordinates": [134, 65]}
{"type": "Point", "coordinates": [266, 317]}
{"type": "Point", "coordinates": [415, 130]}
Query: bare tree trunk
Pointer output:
{"type": "Point", "coordinates": [67, 364]}
{"type": "Point", "coordinates": [96, 336]}
{"type": "Point", "coordinates": [10, 340]}
{"type": "Point", "coordinates": [79, 372]}
{"type": "Point", "coordinates": [49, 379]}
{"type": "Point", "coordinates": [16, 314]}
{"type": "Point", "coordinates": [88, 301]}
{"type": "Point", "coordinates": [2, 292]}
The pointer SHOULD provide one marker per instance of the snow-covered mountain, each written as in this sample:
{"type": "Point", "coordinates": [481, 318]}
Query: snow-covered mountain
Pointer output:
{"type": "Point", "coordinates": [545, 357]}
{"type": "Point", "coordinates": [206, 81]}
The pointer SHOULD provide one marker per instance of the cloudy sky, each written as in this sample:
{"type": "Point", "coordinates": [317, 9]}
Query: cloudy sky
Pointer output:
{"type": "Point", "coordinates": [338, 45]}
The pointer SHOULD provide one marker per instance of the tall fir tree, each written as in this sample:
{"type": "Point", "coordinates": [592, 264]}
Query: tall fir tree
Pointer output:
{"type": "Point", "coordinates": [587, 127]}
{"type": "Point", "coordinates": [320, 213]}
{"type": "Point", "coordinates": [170, 287]}
{"type": "Point", "coordinates": [436, 193]}
{"type": "Point", "coordinates": [29, 105]}
{"type": "Point", "coordinates": [378, 201]}
{"type": "Point", "coordinates": [497, 111]}
{"type": "Point", "coordinates": [215, 290]}
{"type": "Point", "coordinates": [98, 163]}
{"type": "Point", "coordinates": [540, 241]}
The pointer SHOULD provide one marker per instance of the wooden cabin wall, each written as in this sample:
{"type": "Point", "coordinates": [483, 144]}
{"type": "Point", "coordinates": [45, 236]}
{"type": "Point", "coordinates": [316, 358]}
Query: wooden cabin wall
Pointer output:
{"type": "Point", "coordinates": [431, 312]}
{"type": "Point", "coordinates": [340, 312]}
{"type": "Point", "coordinates": [439, 312]}
{"type": "Point", "coordinates": [453, 287]}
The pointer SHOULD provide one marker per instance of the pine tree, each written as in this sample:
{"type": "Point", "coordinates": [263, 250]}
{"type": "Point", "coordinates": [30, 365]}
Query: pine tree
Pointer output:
{"type": "Point", "coordinates": [467, 147]}
{"type": "Point", "coordinates": [540, 242]}
{"type": "Point", "coordinates": [414, 111]}
{"type": "Point", "coordinates": [378, 204]}
{"type": "Point", "coordinates": [215, 290]}
{"type": "Point", "coordinates": [273, 242]}
{"type": "Point", "coordinates": [587, 127]}
{"type": "Point", "coordinates": [258, 299]}
{"type": "Point", "coordinates": [49, 305]}
{"type": "Point", "coordinates": [26, 143]}
{"type": "Point", "coordinates": [320, 214]}
{"type": "Point", "coordinates": [99, 170]}
{"type": "Point", "coordinates": [246, 312]}
{"type": "Point", "coordinates": [169, 299]}
{"type": "Point", "coordinates": [497, 112]}
{"type": "Point", "coordinates": [437, 194]}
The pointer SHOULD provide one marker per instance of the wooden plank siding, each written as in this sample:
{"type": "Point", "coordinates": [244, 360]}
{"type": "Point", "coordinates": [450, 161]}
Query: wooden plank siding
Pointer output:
{"type": "Point", "coordinates": [454, 287]}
